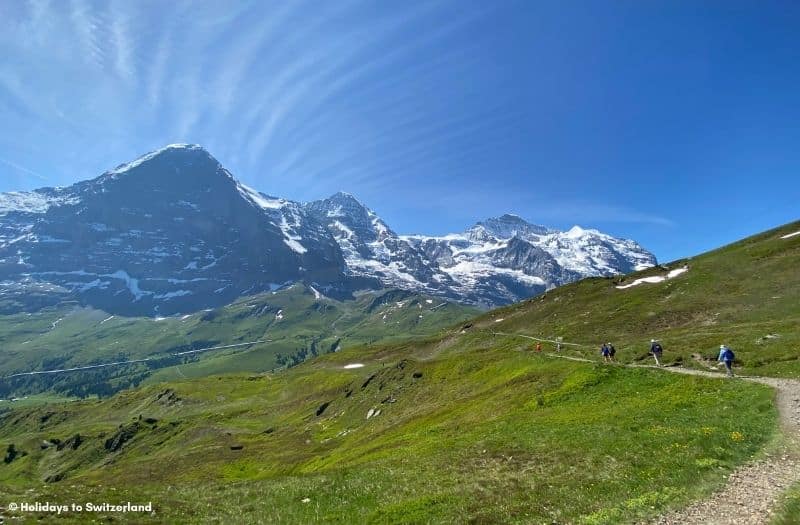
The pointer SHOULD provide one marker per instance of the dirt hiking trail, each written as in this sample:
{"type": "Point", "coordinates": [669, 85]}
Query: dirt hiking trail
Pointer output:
{"type": "Point", "coordinates": [753, 490]}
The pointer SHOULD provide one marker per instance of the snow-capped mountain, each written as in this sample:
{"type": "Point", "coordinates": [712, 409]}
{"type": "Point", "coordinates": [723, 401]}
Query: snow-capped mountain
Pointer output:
{"type": "Point", "coordinates": [497, 261]}
{"type": "Point", "coordinates": [174, 231]}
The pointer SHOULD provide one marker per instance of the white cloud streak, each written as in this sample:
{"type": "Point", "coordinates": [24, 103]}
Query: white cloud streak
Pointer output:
{"type": "Point", "coordinates": [24, 170]}
{"type": "Point", "coordinates": [122, 44]}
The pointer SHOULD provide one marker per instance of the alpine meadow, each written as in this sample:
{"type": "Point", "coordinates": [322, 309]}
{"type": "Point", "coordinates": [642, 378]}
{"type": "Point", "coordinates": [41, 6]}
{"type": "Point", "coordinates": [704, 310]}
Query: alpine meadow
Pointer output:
{"type": "Point", "coordinates": [424, 262]}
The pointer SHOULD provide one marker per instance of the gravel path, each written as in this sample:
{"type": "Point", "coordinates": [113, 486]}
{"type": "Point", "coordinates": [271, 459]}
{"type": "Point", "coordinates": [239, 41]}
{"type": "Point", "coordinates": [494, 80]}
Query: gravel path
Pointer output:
{"type": "Point", "coordinates": [754, 489]}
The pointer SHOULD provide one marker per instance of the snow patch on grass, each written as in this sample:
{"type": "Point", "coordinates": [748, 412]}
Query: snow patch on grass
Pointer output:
{"type": "Point", "coordinates": [655, 279]}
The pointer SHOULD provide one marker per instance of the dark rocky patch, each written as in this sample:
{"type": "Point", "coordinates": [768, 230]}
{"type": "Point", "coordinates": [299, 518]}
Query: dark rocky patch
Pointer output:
{"type": "Point", "coordinates": [74, 442]}
{"type": "Point", "coordinates": [168, 397]}
{"type": "Point", "coordinates": [12, 453]}
{"type": "Point", "coordinates": [210, 316]}
{"type": "Point", "coordinates": [54, 478]}
{"type": "Point", "coordinates": [122, 436]}
{"type": "Point", "coordinates": [368, 381]}
{"type": "Point", "coordinates": [322, 408]}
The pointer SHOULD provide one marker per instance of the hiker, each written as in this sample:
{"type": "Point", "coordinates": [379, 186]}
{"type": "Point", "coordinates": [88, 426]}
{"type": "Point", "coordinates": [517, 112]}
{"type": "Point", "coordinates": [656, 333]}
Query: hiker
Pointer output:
{"type": "Point", "coordinates": [558, 347]}
{"type": "Point", "coordinates": [538, 347]}
{"type": "Point", "coordinates": [605, 352]}
{"type": "Point", "coordinates": [656, 350]}
{"type": "Point", "coordinates": [612, 352]}
{"type": "Point", "coordinates": [726, 356]}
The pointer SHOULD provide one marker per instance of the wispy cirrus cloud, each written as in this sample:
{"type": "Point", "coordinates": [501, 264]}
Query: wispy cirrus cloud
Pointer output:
{"type": "Point", "coordinates": [271, 86]}
{"type": "Point", "coordinates": [86, 26]}
{"type": "Point", "coordinates": [122, 42]}
{"type": "Point", "coordinates": [301, 98]}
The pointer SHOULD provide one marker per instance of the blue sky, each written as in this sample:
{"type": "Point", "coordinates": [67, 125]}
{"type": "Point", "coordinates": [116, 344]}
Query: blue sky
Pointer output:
{"type": "Point", "coordinates": [673, 123]}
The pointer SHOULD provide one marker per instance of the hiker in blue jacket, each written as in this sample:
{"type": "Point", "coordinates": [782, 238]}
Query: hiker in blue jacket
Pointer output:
{"type": "Point", "coordinates": [605, 351]}
{"type": "Point", "coordinates": [656, 350]}
{"type": "Point", "coordinates": [726, 356]}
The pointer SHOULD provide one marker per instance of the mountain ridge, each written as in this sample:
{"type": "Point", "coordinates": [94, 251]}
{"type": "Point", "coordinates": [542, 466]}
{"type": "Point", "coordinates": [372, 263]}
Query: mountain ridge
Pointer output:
{"type": "Point", "coordinates": [174, 231]}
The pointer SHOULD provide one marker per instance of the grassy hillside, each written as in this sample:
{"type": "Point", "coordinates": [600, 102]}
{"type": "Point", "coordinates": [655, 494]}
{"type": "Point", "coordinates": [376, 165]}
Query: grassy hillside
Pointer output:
{"type": "Point", "coordinates": [466, 426]}
{"type": "Point", "coordinates": [469, 429]}
{"type": "Point", "coordinates": [744, 295]}
{"type": "Point", "coordinates": [293, 324]}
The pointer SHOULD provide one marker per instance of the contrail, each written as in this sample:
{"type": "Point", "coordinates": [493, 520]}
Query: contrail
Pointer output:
{"type": "Point", "coordinates": [24, 170]}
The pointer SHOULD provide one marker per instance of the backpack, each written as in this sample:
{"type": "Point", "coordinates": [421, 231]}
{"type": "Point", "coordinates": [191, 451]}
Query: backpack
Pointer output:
{"type": "Point", "coordinates": [728, 355]}
{"type": "Point", "coordinates": [657, 348]}
{"type": "Point", "coordinates": [612, 350]}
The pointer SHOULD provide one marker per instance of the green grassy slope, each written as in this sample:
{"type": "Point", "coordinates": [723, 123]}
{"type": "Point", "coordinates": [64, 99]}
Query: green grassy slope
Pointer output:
{"type": "Point", "coordinates": [293, 323]}
{"type": "Point", "coordinates": [473, 426]}
{"type": "Point", "coordinates": [470, 428]}
{"type": "Point", "coordinates": [744, 295]}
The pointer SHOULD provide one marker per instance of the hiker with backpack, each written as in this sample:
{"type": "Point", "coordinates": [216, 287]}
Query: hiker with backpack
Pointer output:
{"type": "Point", "coordinates": [612, 352]}
{"type": "Point", "coordinates": [539, 347]}
{"type": "Point", "coordinates": [726, 356]}
{"type": "Point", "coordinates": [605, 352]}
{"type": "Point", "coordinates": [656, 350]}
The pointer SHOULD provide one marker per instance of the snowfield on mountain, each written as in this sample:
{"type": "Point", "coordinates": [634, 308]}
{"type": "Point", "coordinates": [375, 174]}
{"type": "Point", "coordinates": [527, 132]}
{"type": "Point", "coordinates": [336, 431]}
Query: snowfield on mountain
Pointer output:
{"type": "Point", "coordinates": [174, 232]}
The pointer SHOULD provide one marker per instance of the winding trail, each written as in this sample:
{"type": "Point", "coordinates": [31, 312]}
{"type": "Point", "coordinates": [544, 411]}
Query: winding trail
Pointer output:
{"type": "Point", "coordinates": [754, 489]}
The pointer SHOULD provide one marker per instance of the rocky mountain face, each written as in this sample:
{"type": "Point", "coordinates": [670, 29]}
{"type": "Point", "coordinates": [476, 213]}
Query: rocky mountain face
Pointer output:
{"type": "Point", "coordinates": [174, 231]}
{"type": "Point", "coordinates": [497, 261]}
